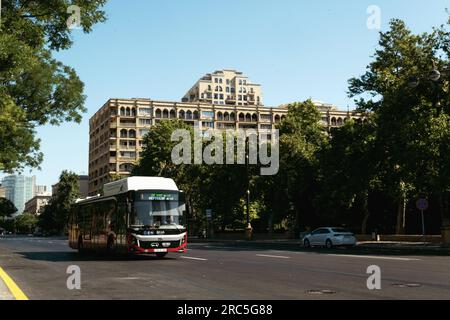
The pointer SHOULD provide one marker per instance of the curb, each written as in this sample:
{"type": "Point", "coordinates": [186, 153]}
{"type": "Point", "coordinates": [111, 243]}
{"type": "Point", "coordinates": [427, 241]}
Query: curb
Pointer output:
{"type": "Point", "coordinates": [365, 247]}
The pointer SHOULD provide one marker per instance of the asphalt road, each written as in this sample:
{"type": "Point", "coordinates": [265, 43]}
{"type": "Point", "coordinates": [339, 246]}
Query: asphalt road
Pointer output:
{"type": "Point", "coordinates": [218, 271]}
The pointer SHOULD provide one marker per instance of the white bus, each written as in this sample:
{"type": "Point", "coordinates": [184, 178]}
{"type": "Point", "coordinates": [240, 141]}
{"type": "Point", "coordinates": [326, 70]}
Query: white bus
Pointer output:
{"type": "Point", "coordinates": [140, 215]}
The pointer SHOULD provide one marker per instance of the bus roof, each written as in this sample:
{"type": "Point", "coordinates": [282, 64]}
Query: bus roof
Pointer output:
{"type": "Point", "coordinates": [139, 183]}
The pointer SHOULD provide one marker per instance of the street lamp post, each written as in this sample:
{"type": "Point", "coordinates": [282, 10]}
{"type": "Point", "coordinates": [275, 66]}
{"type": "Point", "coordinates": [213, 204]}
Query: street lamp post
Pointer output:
{"type": "Point", "coordinates": [248, 229]}
{"type": "Point", "coordinates": [434, 76]}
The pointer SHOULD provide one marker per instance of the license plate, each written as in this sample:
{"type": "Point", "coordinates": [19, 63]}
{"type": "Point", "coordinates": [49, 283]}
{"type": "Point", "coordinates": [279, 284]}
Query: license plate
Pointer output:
{"type": "Point", "coordinates": [160, 250]}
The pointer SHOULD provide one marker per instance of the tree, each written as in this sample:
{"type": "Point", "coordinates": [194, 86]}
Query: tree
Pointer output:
{"type": "Point", "coordinates": [53, 220]}
{"type": "Point", "coordinates": [348, 171]}
{"type": "Point", "coordinates": [302, 136]}
{"type": "Point", "coordinates": [412, 121]}
{"type": "Point", "coordinates": [36, 89]}
{"type": "Point", "coordinates": [25, 223]}
{"type": "Point", "coordinates": [7, 208]}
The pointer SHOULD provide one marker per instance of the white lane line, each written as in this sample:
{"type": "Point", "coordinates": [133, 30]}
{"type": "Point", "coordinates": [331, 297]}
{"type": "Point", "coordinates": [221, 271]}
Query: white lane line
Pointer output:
{"type": "Point", "coordinates": [373, 257]}
{"type": "Point", "coordinates": [271, 256]}
{"type": "Point", "coordinates": [193, 258]}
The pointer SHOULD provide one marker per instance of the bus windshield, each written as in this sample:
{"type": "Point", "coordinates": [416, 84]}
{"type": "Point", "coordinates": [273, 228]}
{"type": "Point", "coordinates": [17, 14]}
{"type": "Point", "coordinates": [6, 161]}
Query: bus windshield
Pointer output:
{"type": "Point", "coordinates": [155, 213]}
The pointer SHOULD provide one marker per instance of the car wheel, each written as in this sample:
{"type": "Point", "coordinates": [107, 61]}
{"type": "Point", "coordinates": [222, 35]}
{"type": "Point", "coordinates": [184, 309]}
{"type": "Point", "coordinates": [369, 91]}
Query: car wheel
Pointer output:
{"type": "Point", "coordinates": [306, 243]}
{"type": "Point", "coordinates": [328, 244]}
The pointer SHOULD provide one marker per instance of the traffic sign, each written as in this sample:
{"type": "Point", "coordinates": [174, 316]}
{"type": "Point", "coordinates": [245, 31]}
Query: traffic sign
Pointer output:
{"type": "Point", "coordinates": [422, 204]}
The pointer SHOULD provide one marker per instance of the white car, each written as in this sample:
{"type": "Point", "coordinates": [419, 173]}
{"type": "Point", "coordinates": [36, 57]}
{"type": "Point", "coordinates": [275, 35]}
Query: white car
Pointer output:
{"type": "Point", "coordinates": [329, 237]}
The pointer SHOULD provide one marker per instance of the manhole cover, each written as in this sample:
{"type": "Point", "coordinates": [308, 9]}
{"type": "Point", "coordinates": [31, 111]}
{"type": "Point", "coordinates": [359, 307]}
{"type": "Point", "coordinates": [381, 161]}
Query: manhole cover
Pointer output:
{"type": "Point", "coordinates": [407, 285]}
{"type": "Point", "coordinates": [319, 292]}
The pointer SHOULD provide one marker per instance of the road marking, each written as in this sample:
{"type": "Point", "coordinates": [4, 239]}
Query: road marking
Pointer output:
{"type": "Point", "coordinates": [193, 258]}
{"type": "Point", "coordinates": [12, 286]}
{"type": "Point", "coordinates": [270, 256]}
{"type": "Point", "coordinates": [373, 257]}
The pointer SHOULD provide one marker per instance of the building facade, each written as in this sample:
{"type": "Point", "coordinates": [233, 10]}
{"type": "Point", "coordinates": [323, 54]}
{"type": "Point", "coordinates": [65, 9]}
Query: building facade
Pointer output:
{"type": "Point", "coordinates": [37, 203]}
{"type": "Point", "coordinates": [2, 192]}
{"type": "Point", "coordinates": [225, 87]}
{"type": "Point", "coordinates": [117, 129]}
{"type": "Point", "coordinates": [38, 190]}
{"type": "Point", "coordinates": [83, 186]}
{"type": "Point", "coordinates": [19, 189]}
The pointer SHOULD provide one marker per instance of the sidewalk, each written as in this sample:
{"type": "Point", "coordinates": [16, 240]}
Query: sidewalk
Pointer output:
{"type": "Point", "coordinates": [5, 294]}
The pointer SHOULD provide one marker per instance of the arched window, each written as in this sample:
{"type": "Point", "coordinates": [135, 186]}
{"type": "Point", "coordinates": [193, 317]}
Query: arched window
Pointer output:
{"type": "Point", "coordinates": [132, 134]}
{"type": "Point", "coordinates": [182, 114]}
{"type": "Point", "coordinates": [248, 117]}
{"type": "Point", "coordinates": [165, 114]}
{"type": "Point", "coordinates": [173, 115]}
{"type": "Point", "coordinates": [128, 112]}
{"type": "Point", "coordinates": [195, 114]}
{"type": "Point", "coordinates": [340, 122]}
{"type": "Point", "coordinates": [123, 133]}
{"type": "Point", "coordinates": [254, 118]}
{"type": "Point", "coordinates": [217, 88]}
{"type": "Point", "coordinates": [277, 119]}
{"type": "Point", "coordinates": [220, 89]}
{"type": "Point", "coordinates": [232, 116]}
{"type": "Point", "coordinates": [122, 111]}
{"type": "Point", "coordinates": [133, 112]}
{"type": "Point", "coordinates": [126, 167]}
{"type": "Point", "coordinates": [226, 116]}
{"type": "Point", "coordinates": [189, 115]}
{"type": "Point", "coordinates": [219, 116]}
{"type": "Point", "coordinates": [241, 117]}
{"type": "Point", "coordinates": [158, 113]}
{"type": "Point", "coordinates": [333, 121]}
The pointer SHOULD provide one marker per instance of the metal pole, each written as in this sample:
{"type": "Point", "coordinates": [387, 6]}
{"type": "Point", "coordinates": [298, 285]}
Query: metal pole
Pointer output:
{"type": "Point", "coordinates": [423, 227]}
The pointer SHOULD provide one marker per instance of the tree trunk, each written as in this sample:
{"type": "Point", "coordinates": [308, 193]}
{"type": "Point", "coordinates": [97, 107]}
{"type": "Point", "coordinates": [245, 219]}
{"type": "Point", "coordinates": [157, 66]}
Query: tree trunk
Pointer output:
{"type": "Point", "coordinates": [270, 222]}
{"type": "Point", "coordinates": [366, 212]}
{"type": "Point", "coordinates": [401, 212]}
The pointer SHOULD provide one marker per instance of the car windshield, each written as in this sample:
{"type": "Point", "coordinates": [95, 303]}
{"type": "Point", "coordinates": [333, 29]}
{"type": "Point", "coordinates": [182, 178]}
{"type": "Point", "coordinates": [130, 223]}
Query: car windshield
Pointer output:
{"type": "Point", "coordinates": [340, 230]}
{"type": "Point", "coordinates": [156, 213]}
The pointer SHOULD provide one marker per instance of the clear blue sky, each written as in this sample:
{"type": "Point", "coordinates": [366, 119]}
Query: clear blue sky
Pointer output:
{"type": "Point", "coordinates": [157, 49]}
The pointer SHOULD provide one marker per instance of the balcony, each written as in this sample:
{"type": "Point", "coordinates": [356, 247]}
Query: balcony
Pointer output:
{"type": "Point", "coordinates": [128, 124]}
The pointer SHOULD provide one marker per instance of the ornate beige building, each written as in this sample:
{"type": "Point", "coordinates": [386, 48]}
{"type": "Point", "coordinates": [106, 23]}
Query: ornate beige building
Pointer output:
{"type": "Point", "coordinates": [225, 87]}
{"type": "Point", "coordinates": [118, 128]}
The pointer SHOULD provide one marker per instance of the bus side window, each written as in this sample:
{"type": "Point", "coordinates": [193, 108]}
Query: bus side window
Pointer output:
{"type": "Point", "coordinates": [121, 217]}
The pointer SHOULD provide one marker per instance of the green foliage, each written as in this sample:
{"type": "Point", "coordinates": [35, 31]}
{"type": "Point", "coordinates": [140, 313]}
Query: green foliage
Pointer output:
{"type": "Point", "coordinates": [412, 121]}
{"type": "Point", "coordinates": [7, 208]}
{"type": "Point", "coordinates": [25, 223]}
{"type": "Point", "coordinates": [53, 219]}
{"type": "Point", "coordinates": [35, 89]}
